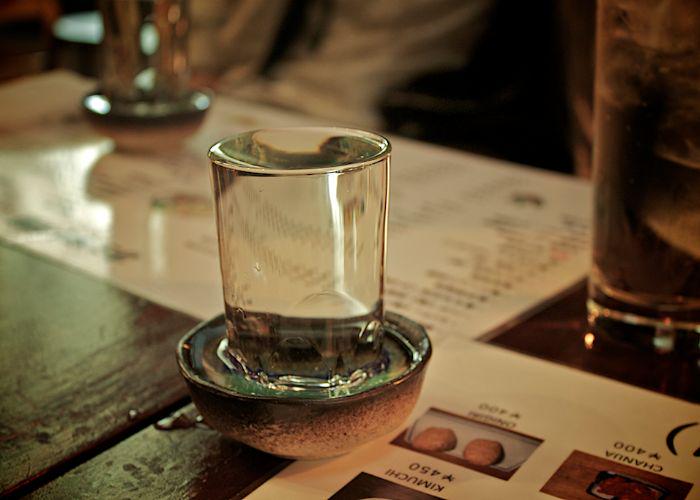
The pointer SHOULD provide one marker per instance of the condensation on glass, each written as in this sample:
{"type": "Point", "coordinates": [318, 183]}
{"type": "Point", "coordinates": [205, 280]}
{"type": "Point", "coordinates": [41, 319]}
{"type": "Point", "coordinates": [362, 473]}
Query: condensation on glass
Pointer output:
{"type": "Point", "coordinates": [646, 248]}
{"type": "Point", "coordinates": [301, 219]}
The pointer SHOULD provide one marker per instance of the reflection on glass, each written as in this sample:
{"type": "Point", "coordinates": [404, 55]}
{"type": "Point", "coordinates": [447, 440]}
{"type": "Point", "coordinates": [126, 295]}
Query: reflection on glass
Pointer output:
{"type": "Point", "coordinates": [302, 228]}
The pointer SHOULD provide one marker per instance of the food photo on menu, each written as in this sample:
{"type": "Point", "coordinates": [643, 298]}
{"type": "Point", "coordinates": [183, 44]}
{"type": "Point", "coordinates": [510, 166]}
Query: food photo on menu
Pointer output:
{"type": "Point", "coordinates": [472, 444]}
{"type": "Point", "coordinates": [609, 485]}
{"type": "Point", "coordinates": [584, 476]}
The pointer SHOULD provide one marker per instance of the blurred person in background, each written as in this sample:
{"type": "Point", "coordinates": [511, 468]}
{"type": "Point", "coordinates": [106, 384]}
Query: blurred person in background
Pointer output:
{"type": "Point", "coordinates": [504, 78]}
{"type": "Point", "coordinates": [336, 59]}
{"type": "Point", "coordinates": [482, 75]}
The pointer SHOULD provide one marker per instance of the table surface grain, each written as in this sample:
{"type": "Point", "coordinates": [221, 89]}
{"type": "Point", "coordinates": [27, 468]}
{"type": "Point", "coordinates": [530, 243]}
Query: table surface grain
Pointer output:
{"type": "Point", "coordinates": [194, 462]}
{"type": "Point", "coordinates": [82, 364]}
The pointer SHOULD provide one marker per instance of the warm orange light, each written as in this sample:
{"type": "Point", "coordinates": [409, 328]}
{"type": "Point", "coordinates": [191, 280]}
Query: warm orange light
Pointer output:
{"type": "Point", "coordinates": [588, 340]}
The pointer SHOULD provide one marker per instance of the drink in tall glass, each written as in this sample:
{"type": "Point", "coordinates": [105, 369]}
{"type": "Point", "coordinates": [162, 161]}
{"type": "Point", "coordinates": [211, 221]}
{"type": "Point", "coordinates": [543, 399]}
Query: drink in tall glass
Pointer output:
{"type": "Point", "coordinates": [646, 241]}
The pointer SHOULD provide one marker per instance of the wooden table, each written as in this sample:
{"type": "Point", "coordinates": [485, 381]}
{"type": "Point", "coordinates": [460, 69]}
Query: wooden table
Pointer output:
{"type": "Point", "coordinates": [87, 369]}
{"type": "Point", "coordinates": [98, 371]}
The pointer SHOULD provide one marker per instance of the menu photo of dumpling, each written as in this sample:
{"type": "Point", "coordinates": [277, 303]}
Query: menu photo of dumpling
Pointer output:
{"type": "Point", "coordinates": [472, 444]}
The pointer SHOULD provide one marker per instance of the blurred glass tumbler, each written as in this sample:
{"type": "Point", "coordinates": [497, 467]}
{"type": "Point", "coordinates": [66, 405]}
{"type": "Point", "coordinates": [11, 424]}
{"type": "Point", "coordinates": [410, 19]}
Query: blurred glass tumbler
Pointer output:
{"type": "Point", "coordinates": [301, 220]}
{"type": "Point", "coordinates": [144, 100]}
{"type": "Point", "coordinates": [646, 240]}
{"type": "Point", "coordinates": [144, 51]}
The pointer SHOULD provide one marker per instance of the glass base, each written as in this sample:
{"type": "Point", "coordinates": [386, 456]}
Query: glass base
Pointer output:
{"type": "Point", "coordinates": [389, 356]}
{"type": "Point", "coordinates": [660, 334]}
{"type": "Point", "coordinates": [406, 347]}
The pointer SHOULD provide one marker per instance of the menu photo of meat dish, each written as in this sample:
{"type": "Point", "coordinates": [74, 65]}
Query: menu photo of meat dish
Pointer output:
{"type": "Point", "coordinates": [583, 476]}
{"type": "Point", "coordinates": [472, 444]}
{"type": "Point", "coordinates": [611, 485]}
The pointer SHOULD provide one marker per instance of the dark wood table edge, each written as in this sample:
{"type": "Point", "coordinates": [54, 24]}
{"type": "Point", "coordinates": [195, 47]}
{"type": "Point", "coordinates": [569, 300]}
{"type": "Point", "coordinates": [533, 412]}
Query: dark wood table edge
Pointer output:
{"type": "Point", "coordinates": [141, 422]}
{"type": "Point", "coordinates": [58, 469]}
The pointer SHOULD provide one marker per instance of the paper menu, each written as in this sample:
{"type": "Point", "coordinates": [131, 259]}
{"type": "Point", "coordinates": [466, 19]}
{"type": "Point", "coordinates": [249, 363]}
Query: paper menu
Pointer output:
{"type": "Point", "coordinates": [30, 101]}
{"type": "Point", "coordinates": [471, 238]}
{"type": "Point", "coordinates": [460, 255]}
{"type": "Point", "coordinates": [567, 409]}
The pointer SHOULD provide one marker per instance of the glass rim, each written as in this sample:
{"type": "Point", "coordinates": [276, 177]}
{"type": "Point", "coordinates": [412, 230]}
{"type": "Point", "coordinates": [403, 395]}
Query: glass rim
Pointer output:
{"type": "Point", "coordinates": [217, 156]}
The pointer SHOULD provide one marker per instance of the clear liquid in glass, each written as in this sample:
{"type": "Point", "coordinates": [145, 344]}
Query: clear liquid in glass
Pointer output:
{"type": "Point", "coordinates": [301, 217]}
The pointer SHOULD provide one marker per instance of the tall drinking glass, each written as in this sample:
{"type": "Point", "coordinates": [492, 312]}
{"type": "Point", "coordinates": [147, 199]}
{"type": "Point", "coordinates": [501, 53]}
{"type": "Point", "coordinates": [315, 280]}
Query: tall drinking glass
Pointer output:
{"type": "Point", "coordinates": [301, 215]}
{"type": "Point", "coordinates": [646, 241]}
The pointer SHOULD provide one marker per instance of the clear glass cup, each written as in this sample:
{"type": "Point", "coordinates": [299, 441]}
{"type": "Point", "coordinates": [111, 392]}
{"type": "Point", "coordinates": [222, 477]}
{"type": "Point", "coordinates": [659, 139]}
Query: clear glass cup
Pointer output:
{"type": "Point", "coordinates": [301, 219]}
{"type": "Point", "coordinates": [646, 240]}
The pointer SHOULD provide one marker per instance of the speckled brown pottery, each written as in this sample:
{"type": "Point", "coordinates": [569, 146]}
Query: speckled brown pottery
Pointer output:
{"type": "Point", "coordinates": [301, 428]}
